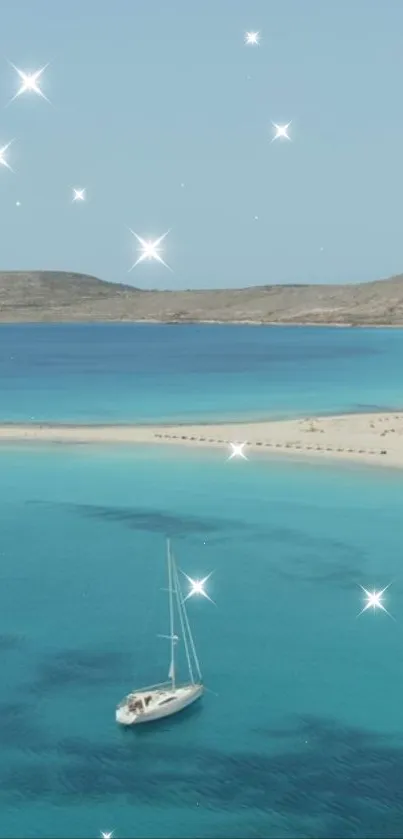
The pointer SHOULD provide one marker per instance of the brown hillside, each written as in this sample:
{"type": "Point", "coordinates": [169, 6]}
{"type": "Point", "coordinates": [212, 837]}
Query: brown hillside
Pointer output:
{"type": "Point", "coordinates": [39, 296]}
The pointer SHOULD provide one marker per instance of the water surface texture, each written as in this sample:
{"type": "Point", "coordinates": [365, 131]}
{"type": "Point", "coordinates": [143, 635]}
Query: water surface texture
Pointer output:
{"type": "Point", "coordinates": [301, 731]}
{"type": "Point", "coordinates": [146, 373]}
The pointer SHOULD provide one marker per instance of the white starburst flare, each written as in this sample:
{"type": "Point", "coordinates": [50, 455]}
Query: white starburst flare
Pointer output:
{"type": "Point", "coordinates": [374, 600]}
{"type": "Point", "coordinates": [150, 250]}
{"type": "Point", "coordinates": [281, 131]}
{"type": "Point", "coordinates": [29, 82]}
{"type": "Point", "coordinates": [197, 587]}
{"type": "Point", "coordinates": [107, 834]}
{"type": "Point", "coordinates": [3, 159]}
{"type": "Point", "coordinates": [237, 450]}
{"type": "Point", "coordinates": [79, 194]}
{"type": "Point", "coordinates": [252, 38]}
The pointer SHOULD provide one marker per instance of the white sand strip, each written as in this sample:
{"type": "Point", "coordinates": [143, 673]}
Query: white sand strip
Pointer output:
{"type": "Point", "coordinates": [371, 438]}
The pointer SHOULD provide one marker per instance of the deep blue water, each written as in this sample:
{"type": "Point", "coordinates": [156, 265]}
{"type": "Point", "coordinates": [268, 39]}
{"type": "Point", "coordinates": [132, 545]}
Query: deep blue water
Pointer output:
{"type": "Point", "coordinates": [301, 733]}
{"type": "Point", "coordinates": [124, 372]}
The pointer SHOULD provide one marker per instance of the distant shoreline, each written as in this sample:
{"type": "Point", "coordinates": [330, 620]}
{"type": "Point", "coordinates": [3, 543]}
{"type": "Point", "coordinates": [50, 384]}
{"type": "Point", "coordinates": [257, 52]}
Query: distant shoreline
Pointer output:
{"type": "Point", "coordinates": [155, 322]}
{"type": "Point", "coordinates": [370, 438]}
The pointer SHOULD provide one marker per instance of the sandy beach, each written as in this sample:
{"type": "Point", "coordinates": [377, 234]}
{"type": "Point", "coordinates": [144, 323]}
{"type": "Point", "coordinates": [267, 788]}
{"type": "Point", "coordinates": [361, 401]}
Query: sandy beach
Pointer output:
{"type": "Point", "coordinates": [375, 438]}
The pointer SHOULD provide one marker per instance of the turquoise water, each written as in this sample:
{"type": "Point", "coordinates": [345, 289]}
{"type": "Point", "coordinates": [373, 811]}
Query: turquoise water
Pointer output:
{"type": "Point", "coordinates": [125, 372]}
{"type": "Point", "coordinates": [301, 732]}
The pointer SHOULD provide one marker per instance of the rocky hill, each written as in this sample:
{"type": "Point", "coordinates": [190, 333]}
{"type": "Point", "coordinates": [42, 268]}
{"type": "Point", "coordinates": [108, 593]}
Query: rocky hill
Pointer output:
{"type": "Point", "coordinates": [55, 296]}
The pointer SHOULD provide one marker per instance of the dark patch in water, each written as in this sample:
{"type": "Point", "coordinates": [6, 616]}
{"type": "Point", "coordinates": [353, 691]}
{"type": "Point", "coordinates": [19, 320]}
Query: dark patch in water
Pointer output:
{"type": "Point", "coordinates": [304, 540]}
{"type": "Point", "coordinates": [81, 668]}
{"type": "Point", "coordinates": [27, 781]}
{"type": "Point", "coordinates": [306, 569]}
{"type": "Point", "coordinates": [10, 641]}
{"type": "Point", "coordinates": [19, 728]}
{"type": "Point", "coordinates": [369, 408]}
{"type": "Point", "coordinates": [346, 781]}
{"type": "Point", "coordinates": [152, 521]}
{"type": "Point", "coordinates": [318, 560]}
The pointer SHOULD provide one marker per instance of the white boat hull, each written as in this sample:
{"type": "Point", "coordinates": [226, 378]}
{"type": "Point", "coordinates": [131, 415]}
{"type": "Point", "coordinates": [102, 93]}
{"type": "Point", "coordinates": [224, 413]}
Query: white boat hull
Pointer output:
{"type": "Point", "coordinates": [154, 704]}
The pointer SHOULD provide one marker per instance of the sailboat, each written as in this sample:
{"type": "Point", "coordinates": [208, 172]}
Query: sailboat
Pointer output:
{"type": "Point", "coordinates": [167, 698]}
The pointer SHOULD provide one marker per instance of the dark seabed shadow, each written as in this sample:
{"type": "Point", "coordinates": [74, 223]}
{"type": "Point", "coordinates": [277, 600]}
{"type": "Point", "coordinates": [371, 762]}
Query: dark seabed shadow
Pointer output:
{"type": "Point", "coordinates": [346, 781]}
{"type": "Point", "coordinates": [79, 668]}
{"type": "Point", "coordinates": [312, 560]}
{"type": "Point", "coordinates": [20, 728]}
{"type": "Point", "coordinates": [151, 521]}
{"type": "Point", "coordinates": [9, 642]}
{"type": "Point", "coordinates": [310, 570]}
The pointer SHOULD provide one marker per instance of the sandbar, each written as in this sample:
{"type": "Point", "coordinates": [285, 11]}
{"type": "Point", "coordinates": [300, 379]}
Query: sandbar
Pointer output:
{"type": "Point", "coordinates": [375, 438]}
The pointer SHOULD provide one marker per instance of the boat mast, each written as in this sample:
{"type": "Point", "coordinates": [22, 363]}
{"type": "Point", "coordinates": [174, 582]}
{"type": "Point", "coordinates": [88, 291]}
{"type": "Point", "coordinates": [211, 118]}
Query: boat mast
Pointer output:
{"type": "Point", "coordinates": [171, 674]}
{"type": "Point", "coordinates": [187, 630]}
{"type": "Point", "coordinates": [181, 620]}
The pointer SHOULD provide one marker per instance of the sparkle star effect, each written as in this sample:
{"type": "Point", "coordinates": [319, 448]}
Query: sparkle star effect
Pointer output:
{"type": "Point", "coordinates": [237, 450]}
{"type": "Point", "coordinates": [3, 160]}
{"type": "Point", "coordinates": [150, 250]}
{"type": "Point", "coordinates": [79, 194]}
{"type": "Point", "coordinates": [281, 132]}
{"type": "Point", "coordinates": [252, 38]}
{"type": "Point", "coordinates": [374, 601]}
{"type": "Point", "coordinates": [197, 587]}
{"type": "Point", "coordinates": [29, 83]}
{"type": "Point", "coordinates": [105, 835]}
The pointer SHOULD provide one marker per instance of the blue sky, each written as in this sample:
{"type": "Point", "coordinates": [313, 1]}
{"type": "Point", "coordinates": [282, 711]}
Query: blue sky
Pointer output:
{"type": "Point", "coordinates": [149, 94]}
